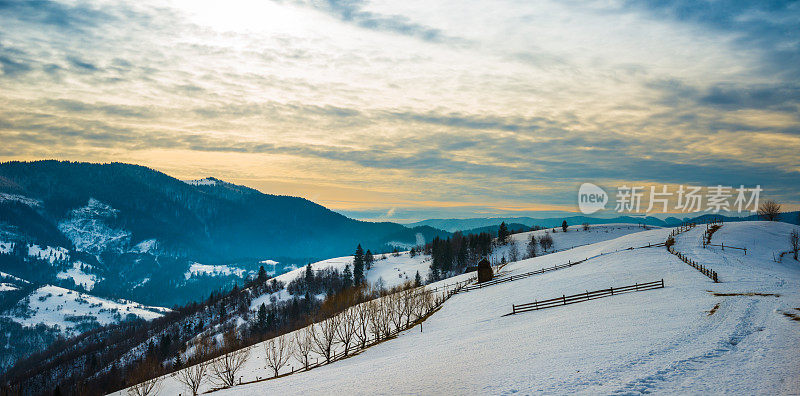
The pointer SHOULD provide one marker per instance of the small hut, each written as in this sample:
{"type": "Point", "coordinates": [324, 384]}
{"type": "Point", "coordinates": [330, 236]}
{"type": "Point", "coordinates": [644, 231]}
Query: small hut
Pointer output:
{"type": "Point", "coordinates": [485, 272]}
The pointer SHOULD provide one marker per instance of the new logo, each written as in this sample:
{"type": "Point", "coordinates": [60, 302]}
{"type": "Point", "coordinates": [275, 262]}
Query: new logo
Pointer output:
{"type": "Point", "coordinates": [591, 198]}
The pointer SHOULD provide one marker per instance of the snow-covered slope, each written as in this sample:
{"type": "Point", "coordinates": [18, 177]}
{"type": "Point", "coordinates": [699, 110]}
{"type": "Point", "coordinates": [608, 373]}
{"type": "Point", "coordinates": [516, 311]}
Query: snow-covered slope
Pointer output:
{"type": "Point", "coordinates": [74, 312]}
{"type": "Point", "coordinates": [664, 340]}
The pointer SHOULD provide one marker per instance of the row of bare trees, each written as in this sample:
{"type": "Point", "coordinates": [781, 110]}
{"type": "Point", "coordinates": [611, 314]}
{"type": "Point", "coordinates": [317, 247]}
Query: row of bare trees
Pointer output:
{"type": "Point", "coordinates": [334, 334]}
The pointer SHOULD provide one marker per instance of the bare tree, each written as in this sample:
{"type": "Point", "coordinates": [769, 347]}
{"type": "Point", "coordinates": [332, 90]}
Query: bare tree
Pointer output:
{"type": "Point", "coordinates": [533, 244]}
{"type": "Point", "coordinates": [324, 336]}
{"type": "Point", "coordinates": [363, 313]}
{"type": "Point", "coordinates": [385, 317]}
{"type": "Point", "coordinates": [769, 210]}
{"type": "Point", "coordinates": [513, 253]}
{"type": "Point", "coordinates": [304, 341]}
{"type": "Point", "coordinates": [192, 377]}
{"type": "Point", "coordinates": [145, 377]}
{"type": "Point", "coordinates": [224, 368]}
{"type": "Point", "coordinates": [546, 241]}
{"type": "Point", "coordinates": [278, 351]}
{"type": "Point", "coordinates": [794, 241]}
{"type": "Point", "coordinates": [346, 331]}
{"type": "Point", "coordinates": [585, 226]}
{"type": "Point", "coordinates": [396, 302]}
{"type": "Point", "coordinates": [375, 318]}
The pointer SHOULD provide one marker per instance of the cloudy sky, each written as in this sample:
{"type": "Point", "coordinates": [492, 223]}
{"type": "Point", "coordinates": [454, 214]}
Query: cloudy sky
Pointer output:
{"type": "Point", "coordinates": [410, 109]}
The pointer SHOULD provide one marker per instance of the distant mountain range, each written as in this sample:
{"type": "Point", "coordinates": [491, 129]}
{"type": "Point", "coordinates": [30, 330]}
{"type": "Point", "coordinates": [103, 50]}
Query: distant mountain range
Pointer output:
{"type": "Point", "coordinates": [127, 231]}
{"type": "Point", "coordinates": [491, 223]}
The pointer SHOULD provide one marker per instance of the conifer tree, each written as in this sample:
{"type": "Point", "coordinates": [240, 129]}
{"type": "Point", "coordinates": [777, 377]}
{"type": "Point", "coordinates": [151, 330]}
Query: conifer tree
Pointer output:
{"type": "Point", "coordinates": [417, 280]}
{"type": "Point", "coordinates": [358, 266]}
{"type": "Point", "coordinates": [262, 275]}
{"type": "Point", "coordinates": [564, 226]}
{"type": "Point", "coordinates": [347, 277]}
{"type": "Point", "coordinates": [261, 319]}
{"type": "Point", "coordinates": [502, 233]}
{"type": "Point", "coordinates": [368, 259]}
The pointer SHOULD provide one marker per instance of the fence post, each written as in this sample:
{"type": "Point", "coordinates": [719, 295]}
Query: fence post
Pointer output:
{"type": "Point", "coordinates": [723, 245]}
{"type": "Point", "coordinates": [587, 294]}
{"type": "Point", "coordinates": [662, 282]}
{"type": "Point", "coordinates": [513, 309]}
{"type": "Point", "coordinates": [564, 296]}
{"type": "Point", "coordinates": [637, 286]}
{"type": "Point", "coordinates": [612, 291]}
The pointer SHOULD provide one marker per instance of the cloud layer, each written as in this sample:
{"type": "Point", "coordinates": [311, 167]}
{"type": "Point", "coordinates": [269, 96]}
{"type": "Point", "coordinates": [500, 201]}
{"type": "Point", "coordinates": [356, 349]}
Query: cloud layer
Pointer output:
{"type": "Point", "coordinates": [385, 107]}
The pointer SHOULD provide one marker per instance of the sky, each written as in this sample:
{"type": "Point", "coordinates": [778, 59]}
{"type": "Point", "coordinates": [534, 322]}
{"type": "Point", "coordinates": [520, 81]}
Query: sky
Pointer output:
{"type": "Point", "coordinates": [405, 110]}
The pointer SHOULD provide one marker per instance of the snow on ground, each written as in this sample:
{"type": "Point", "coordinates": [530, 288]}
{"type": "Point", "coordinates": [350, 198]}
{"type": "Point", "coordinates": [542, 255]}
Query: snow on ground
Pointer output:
{"type": "Point", "coordinates": [48, 253]}
{"type": "Point", "coordinates": [146, 246]}
{"type": "Point", "coordinates": [20, 198]}
{"type": "Point", "coordinates": [87, 230]}
{"type": "Point", "coordinates": [6, 247]}
{"type": "Point", "coordinates": [202, 182]}
{"type": "Point", "coordinates": [575, 236]}
{"type": "Point", "coordinates": [78, 276]}
{"type": "Point", "coordinates": [662, 340]}
{"type": "Point", "coordinates": [213, 270]}
{"type": "Point", "coordinates": [12, 277]}
{"type": "Point", "coordinates": [53, 305]}
{"type": "Point", "coordinates": [7, 287]}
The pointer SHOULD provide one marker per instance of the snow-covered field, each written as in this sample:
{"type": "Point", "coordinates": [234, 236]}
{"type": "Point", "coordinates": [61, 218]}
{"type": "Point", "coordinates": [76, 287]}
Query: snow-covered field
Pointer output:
{"type": "Point", "coordinates": [663, 340]}
{"type": "Point", "coordinates": [574, 237]}
{"type": "Point", "coordinates": [52, 305]}
{"type": "Point", "coordinates": [77, 274]}
{"type": "Point", "coordinates": [213, 270]}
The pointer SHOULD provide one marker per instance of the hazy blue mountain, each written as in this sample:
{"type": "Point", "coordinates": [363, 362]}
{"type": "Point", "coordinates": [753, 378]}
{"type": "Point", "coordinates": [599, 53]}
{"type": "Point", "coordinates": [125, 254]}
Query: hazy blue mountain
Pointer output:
{"type": "Point", "coordinates": [138, 232]}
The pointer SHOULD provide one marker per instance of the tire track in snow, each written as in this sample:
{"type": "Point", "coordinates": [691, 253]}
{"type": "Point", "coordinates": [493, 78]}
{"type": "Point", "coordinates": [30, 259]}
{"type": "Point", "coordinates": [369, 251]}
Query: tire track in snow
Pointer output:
{"type": "Point", "coordinates": [680, 368]}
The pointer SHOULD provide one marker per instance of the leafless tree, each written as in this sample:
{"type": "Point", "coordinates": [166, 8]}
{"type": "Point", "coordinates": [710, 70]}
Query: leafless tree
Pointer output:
{"type": "Point", "coordinates": [346, 331]}
{"type": "Point", "coordinates": [278, 351]}
{"type": "Point", "coordinates": [304, 341]}
{"type": "Point", "coordinates": [513, 253]}
{"type": "Point", "coordinates": [363, 313]}
{"type": "Point", "coordinates": [375, 319]}
{"type": "Point", "coordinates": [145, 377]}
{"type": "Point", "coordinates": [409, 296]}
{"type": "Point", "coordinates": [192, 377]}
{"type": "Point", "coordinates": [385, 317]}
{"type": "Point", "coordinates": [585, 226]}
{"type": "Point", "coordinates": [546, 241]}
{"type": "Point", "coordinates": [396, 307]}
{"type": "Point", "coordinates": [794, 241]}
{"type": "Point", "coordinates": [324, 336]}
{"type": "Point", "coordinates": [769, 210]}
{"type": "Point", "coordinates": [224, 368]}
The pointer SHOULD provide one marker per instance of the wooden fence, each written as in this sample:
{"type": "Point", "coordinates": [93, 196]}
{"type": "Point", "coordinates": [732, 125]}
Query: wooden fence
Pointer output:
{"type": "Point", "coordinates": [516, 277]}
{"type": "Point", "coordinates": [703, 269]}
{"type": "Point", "coordinates": [722, 245]}
{"type": "Point", "coordinates": [581, 297]}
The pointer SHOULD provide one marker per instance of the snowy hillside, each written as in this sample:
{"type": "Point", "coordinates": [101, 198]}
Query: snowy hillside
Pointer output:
{"type": "Point", "coordinates": [692, 337]}
{"type": "Point", "coordinates": [575, 236]}
{"type": "Point", "coordinates": [74, 312]}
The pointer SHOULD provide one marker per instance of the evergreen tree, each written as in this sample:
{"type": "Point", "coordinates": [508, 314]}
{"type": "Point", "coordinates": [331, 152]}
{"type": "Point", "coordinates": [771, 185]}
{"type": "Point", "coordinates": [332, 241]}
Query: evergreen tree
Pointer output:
{"type": "Point", "coordinates": [309, 278]}
{"type": "Point", "coordinates": [417, 280]}
{"type": "Point", "coordinates": [564, 226]}
{"type": "Point", "coordinates": [262, 275]}
{"type": "Point", "coordinates": [413, 252]}
{"type": "Point", "coordinates": [502, 233]}
{"type": "Point", "coordinates": [261, 319]}
{"type": "Point", "coordinates": [368, 259]}
{"type": "Point", "coordinates": [358, 266]}
{"type": "Point", "coordinates": [347, 277]}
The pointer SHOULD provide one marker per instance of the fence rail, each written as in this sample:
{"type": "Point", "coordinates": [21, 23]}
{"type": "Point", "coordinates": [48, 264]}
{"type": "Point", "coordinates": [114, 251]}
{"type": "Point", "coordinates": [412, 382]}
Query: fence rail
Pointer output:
{"type": "Point", "coordinates": [517, 276]}
{"type": "Point", "coordinates": [722, 245]}
{"type": "Point", "coordinates": [580, 297]}
{"type": "Point", "coordinates": [703, 269]}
